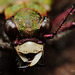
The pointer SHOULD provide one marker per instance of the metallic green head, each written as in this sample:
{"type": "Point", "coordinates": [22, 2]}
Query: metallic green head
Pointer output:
{"type": "Point", "coordinates": [27, 22]}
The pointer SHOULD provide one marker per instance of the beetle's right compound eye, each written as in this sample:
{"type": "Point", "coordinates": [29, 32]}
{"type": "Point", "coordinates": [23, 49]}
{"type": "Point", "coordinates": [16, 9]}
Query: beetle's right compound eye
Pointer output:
{"type": "Point", "coordinates": [46, 25]}
{"type": "Point", "coordinates": [10, 29]}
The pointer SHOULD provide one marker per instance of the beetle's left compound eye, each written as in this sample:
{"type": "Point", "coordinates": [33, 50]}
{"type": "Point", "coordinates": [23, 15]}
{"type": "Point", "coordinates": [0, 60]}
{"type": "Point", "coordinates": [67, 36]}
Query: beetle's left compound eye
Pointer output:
{"type": "Point", "coordinates": [46, 25]}
{"type": "Point", "coordinates": [10, 29]}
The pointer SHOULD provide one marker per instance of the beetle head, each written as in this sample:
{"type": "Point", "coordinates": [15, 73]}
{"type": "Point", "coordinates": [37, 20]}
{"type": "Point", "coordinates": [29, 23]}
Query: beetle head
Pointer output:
{"type": "Point", "coordinates": [25, 30]}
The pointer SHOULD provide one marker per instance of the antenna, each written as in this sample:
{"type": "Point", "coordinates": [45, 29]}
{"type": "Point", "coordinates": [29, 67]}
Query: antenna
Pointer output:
{"type": "Point", "coordinates": [64, 20]}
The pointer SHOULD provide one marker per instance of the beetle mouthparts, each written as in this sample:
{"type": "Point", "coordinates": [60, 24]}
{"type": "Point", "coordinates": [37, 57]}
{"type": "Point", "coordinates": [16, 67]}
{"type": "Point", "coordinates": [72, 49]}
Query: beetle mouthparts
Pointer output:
{"type": "Point", "coordinates": [30, 52]}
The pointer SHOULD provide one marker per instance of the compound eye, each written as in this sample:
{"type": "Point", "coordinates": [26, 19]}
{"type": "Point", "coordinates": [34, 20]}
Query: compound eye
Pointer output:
{"type": "Point", "coordinates": [10, 29]}
{"type": "Point", "coordinates": [46, 25]}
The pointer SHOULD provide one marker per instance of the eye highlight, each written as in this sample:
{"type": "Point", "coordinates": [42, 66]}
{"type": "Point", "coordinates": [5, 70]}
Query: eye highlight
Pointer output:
{"type": "Point", "coordinates": [46, 25]}
{"type": "Point", "coordinates": [10, 29]}
{"type": "Point", "coordinates": [10, 24]}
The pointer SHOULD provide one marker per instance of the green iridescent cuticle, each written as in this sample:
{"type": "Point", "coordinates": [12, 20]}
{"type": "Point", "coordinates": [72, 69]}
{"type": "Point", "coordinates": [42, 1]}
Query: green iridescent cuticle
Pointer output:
{"type": "Point", "coordinates": [28, 21]}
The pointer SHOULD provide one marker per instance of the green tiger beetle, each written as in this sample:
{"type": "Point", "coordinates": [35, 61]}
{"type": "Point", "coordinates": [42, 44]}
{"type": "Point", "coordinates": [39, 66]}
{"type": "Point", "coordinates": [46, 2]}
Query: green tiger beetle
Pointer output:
{"type": "Point", "coordinates": [28, 28]}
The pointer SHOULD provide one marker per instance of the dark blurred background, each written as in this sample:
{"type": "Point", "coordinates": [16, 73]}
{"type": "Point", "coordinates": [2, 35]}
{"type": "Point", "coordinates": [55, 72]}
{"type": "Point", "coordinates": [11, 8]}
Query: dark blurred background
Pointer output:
{"type": "Point", "coordinates": [59, 53]}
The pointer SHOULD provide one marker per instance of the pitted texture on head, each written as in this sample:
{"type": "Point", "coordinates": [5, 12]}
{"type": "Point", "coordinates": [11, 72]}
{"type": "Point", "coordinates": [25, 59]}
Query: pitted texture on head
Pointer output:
{"type": "Point", "coordinates": [27, 22]}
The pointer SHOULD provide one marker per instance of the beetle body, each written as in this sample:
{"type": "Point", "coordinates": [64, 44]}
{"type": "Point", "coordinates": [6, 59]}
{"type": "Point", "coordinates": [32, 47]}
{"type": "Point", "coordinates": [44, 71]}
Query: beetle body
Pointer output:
{"type": "Point", "coordinates": [27, 29]}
